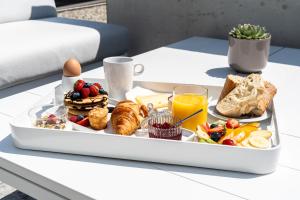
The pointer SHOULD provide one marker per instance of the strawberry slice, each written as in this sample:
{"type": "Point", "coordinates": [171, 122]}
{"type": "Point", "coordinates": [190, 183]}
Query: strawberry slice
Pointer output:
{"type": "Point", "coordinates": [218, 129]}
{"type": "Point", "coordinates": [205, 127]}
{"type": "Point", "coordinates": [85, 122]}
{"type": "Point", "coordinates": [98, 85]}
{"type": "Point", "coordinates": [232, 123]}
{"type": "Point", "coordinates": [229, 142]}
{"type": "Point", "coordinates": [94, 90]}
{"type": "Point", "coordinates": [78, 85]}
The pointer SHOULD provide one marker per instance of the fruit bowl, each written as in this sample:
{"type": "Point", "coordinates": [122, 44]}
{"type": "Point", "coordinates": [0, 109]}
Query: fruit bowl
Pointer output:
{"type": "Point", "coordinates": [49, 116]}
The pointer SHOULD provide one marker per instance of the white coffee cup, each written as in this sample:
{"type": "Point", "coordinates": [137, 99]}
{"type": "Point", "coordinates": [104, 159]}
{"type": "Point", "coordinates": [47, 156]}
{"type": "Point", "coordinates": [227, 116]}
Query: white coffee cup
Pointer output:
{"type": "Point", "coordinates": [119, 72]}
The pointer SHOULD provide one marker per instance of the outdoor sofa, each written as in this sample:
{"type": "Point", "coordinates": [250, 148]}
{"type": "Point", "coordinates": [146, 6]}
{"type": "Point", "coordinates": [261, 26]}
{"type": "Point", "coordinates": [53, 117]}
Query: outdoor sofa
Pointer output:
{"type": "Point", "coordinates": [34, 42]}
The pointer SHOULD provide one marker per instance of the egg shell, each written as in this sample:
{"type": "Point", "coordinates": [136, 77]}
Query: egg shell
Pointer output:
{"type": "Point", "coordinates": [72, 68]}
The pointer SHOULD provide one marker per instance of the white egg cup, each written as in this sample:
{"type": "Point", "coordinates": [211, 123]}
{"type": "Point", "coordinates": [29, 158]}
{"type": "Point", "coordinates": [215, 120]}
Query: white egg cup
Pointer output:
{"type": "Point", "coordinates": [68, 83]}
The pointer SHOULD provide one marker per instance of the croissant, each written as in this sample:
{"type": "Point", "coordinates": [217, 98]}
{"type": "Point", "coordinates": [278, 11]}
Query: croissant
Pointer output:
{"type": "Point", "coordinates": [127, 116]}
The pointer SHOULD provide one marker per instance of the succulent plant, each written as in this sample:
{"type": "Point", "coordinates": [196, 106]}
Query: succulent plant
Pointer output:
{"type": "Point", "coordinates": [249, 32]}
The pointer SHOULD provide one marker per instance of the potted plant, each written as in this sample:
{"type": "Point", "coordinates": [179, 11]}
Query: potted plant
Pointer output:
{"type": "Point", "coordinates": [249, 47]}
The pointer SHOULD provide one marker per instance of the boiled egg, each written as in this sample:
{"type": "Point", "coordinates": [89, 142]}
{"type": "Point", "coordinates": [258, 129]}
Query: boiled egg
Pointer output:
{"type": "Point", "coordinates": [72, 68]}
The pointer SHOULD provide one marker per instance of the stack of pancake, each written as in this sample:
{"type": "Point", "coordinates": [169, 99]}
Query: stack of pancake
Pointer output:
{"type": "Point", "coordinates": [83, 106]}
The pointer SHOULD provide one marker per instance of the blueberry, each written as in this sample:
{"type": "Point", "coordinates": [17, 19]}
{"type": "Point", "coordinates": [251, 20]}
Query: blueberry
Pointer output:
{"type": "Point", "coordinates": [75, 95]}
{"type": "Point", "coordinates": [101, 91]}
{"type": "Point", "coordinates": [80, 117]}
{"type": "Point", "coordinates": [215, 136]}
{"type": "Point", "coordinates": [213, 125]}
{"type": "Point", "coordinates": [87, 85]}
{"type": "Point", "coordinates": [110, 109]}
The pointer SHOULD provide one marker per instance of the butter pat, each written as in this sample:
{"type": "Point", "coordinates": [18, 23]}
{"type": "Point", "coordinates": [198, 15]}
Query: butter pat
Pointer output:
{"type": "Point", "coordinates": [158, 100]}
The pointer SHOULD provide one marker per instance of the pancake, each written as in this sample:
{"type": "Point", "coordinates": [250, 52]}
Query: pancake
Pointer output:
{"type": "Point", "coordinates": [72, 112]}
{"type": "Point", "coordinates": [89, 106]}
{"type": "Point", "coordinates": [83, 106]}
{"type": "Point", "coordinates": [87, 101]}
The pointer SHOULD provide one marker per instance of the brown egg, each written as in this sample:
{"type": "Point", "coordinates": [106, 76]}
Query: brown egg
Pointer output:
{"type": "Point", "coordinates": [72, 68]}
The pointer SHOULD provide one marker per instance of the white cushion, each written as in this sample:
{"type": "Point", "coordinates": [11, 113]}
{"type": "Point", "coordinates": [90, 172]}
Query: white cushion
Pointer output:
{"type": "Point", "coordinates": [17, 10]}
{"type": "Point", "coordinates": [33, 48]}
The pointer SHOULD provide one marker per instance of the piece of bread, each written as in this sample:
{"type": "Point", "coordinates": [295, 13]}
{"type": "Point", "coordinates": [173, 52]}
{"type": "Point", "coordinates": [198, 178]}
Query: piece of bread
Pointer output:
{"type": "Point", "coordinates": [98, 118]}
{"type": "Point", "coordinates": [262, 101]}
{"type": "Point", "coordinates": [243, 98]}
{"type": "Point", "coordinates": [127, 116]}
{"type": "Point", "coordinates": [231, 82]}
{"type": "Point", "coordinates": [265, 100]}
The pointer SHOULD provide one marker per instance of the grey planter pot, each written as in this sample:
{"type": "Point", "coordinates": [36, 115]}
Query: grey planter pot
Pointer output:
{"type": "Point", "coordinates": [248, 55]}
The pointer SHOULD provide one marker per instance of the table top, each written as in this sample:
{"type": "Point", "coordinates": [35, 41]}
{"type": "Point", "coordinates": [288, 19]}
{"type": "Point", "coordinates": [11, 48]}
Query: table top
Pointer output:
{"type": "Point", "coordinates": [195, 60]}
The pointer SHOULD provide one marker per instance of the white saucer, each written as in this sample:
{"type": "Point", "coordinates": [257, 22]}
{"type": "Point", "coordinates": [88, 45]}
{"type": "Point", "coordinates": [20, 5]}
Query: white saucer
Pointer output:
{"type": "Point", "coordinates": [213, 112]}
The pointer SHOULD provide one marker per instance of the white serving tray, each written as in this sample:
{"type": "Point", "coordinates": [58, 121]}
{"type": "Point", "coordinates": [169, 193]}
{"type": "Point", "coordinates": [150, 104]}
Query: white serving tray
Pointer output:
{"type": "Point", "coordinates": [259, 161]}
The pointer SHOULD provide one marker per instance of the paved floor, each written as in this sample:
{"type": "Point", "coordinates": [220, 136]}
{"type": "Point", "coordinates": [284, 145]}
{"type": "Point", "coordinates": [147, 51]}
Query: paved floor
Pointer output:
{"type": "Point", "coordinates": [92, 12]}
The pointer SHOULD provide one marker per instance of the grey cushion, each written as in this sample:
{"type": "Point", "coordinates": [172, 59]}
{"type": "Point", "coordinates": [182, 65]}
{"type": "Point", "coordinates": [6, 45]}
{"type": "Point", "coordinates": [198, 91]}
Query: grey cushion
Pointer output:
{"type": "Point", "coordinates": [18, 10]}
{"type": "Point", "coordinates": [114, 38]}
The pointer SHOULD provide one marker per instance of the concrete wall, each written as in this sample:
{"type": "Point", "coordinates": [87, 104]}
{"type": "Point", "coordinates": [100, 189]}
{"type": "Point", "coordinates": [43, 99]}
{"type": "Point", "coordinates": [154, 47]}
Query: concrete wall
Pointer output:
{"type": "Point", "coordinates": [153, 23]}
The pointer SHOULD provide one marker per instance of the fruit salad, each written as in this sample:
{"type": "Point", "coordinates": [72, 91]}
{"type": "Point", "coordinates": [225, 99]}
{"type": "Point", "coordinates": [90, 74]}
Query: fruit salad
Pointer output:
{"type": "Point", "coordinates": [233, 133]}
{"type": "Point", "coordinates": [51, 121]}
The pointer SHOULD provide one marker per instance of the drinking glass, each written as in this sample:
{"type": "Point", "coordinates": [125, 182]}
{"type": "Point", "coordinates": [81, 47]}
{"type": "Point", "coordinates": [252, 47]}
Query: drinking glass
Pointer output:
{"type": "Point", "coordinates": [187, 100]}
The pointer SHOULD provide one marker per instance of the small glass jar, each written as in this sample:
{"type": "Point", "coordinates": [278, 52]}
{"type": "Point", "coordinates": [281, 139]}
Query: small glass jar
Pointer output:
{"type": "Point", "coordinates": [162, 126]}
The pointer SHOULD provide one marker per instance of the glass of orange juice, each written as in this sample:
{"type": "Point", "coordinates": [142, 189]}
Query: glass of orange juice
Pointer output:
{"type": "Point", "coordinates": [186, 101]}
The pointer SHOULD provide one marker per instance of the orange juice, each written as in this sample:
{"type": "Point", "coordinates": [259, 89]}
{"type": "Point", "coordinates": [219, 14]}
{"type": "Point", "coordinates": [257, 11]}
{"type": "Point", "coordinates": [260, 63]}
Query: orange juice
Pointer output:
{"type": "Point", "coordinates": [186, 104]}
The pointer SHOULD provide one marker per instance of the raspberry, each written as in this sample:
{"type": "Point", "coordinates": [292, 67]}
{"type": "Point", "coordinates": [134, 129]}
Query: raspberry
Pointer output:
{"type": "Point", "coordinates": [73, 118]}
{"type": "Point", "coordinates": [85, 92]}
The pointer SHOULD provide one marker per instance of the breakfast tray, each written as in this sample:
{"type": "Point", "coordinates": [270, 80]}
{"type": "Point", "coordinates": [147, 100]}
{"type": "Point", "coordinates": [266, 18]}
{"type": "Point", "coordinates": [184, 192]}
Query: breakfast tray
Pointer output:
{"type": "Point", "coordinates": [259, 161]}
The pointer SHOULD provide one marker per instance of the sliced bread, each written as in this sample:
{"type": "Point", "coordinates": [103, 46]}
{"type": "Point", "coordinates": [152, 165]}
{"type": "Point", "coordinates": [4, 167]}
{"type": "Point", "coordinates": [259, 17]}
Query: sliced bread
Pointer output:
{"type": "Point", "coordinates": [243, 98]}
{"type": "Point", "coordinates": [231, 82]}
{"type": "Point", "coordinates": [265, 100]}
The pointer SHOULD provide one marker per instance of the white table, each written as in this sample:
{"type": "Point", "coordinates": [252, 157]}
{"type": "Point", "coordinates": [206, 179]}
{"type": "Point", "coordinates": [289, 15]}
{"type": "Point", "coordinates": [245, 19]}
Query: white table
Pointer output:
{"type": "Point", "coordinates": [196, 60]}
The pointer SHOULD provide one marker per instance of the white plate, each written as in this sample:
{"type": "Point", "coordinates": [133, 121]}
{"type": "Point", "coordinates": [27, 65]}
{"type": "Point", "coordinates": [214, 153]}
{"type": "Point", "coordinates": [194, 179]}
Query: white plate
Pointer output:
{"type": "Point", "coordinates": [213, 112]}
